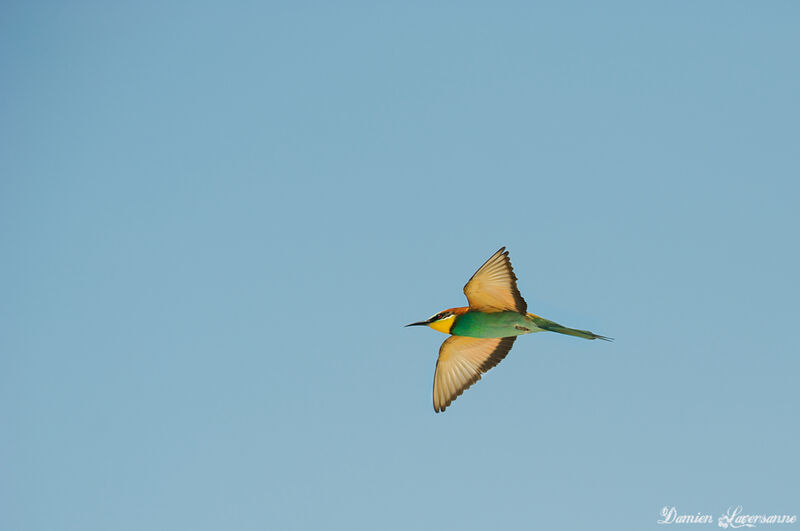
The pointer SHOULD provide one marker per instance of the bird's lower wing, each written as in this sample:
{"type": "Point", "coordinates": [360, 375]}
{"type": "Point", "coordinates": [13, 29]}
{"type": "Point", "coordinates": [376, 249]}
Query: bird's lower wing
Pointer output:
{"type": "Point", "coordinates": [461, 362]}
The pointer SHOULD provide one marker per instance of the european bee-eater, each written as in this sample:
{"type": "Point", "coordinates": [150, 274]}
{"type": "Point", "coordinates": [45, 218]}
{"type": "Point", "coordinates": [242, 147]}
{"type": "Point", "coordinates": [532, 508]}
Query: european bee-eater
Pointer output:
{"type": "Point", "coordinates": [482, 333]}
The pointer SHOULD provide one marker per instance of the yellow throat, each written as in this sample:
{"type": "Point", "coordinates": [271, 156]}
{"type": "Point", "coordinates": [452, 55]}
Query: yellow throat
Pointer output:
{"type": "Point", "coordinates": [443, 325]}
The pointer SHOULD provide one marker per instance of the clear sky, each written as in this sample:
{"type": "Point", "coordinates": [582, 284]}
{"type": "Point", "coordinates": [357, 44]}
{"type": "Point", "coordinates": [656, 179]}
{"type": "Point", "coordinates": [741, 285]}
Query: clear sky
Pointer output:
{"type": "Point", "coordinates": [215, 219]}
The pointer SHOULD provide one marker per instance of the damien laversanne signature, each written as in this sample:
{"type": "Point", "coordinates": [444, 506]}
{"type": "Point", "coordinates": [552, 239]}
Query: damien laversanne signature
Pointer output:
{"type": "Point", "coordinates": [734, 518]}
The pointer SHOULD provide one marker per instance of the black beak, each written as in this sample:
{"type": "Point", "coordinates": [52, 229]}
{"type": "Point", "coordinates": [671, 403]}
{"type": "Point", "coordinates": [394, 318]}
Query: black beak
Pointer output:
{"type": "Point", "coordinates": [421, 323]}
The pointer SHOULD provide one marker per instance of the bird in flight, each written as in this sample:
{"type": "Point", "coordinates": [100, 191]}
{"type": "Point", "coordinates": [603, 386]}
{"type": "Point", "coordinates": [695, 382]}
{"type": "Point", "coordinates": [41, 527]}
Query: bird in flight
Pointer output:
{"type": "Point", "coordinates": [482, 334]}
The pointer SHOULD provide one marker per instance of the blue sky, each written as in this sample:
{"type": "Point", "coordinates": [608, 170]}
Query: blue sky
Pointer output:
{"type": "Point", "coordinates": [217, 218]}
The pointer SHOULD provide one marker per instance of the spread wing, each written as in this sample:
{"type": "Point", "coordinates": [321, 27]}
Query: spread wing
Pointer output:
{"type": "Point", "coordinates": [493, 287]}
{"type": "Point", "coordinates": [461, 362]}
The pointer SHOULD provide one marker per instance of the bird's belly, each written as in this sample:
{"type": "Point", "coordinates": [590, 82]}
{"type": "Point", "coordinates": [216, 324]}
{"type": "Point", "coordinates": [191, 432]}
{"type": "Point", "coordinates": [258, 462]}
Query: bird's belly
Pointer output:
{"type": "Point", "coordinates": [500, 324]}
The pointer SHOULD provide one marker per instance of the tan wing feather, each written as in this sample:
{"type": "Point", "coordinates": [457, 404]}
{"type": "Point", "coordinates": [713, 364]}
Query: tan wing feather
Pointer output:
{"type": "Point", "coordinates": [461, 362]}
{"type": "Point", "coordinates": [493, 287]}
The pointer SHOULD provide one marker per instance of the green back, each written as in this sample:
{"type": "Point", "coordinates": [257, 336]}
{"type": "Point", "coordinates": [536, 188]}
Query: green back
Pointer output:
{"type": "Point", "coordinates": [500, 324]}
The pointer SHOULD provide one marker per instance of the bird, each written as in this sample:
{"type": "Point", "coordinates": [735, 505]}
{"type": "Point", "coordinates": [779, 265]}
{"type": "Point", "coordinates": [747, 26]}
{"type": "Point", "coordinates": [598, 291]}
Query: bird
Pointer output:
{"type": "Point", "coordinates": [482, 334]}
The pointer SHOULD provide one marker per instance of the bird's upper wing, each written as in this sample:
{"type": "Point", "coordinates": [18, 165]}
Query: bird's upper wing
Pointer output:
{"type": "Point", "coordinates": [461, 362]}
{"type": "Point", "coordinates": [493, 287]}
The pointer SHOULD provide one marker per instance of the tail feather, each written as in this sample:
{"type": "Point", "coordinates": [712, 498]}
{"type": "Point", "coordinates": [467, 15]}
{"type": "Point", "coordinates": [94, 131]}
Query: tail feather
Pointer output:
{"type": "Point", "coordinates": [546, 324]}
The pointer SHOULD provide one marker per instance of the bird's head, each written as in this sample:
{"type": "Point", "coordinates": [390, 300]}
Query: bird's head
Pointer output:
{"type": "Point", "coordinates": [442, 321]}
